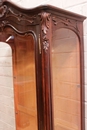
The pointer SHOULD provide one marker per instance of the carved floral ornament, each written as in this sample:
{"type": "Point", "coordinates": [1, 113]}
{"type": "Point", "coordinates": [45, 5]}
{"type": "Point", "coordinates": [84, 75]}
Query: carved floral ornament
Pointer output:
{"type": "Point", "coordinates": [45, 20]}
{"type": "Point", "coordinates": [20, 16]}
{"type": "Point", "coordinates": [44, 17]}
{"type": "Point", "coordinates": [3, 10]}
{"type": "Point", "coordinates": [8, 12]}
{"type": "Point", "coordinates": [66, 22]}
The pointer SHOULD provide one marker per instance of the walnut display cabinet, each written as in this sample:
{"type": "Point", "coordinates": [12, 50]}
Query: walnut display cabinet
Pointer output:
{"type": "Point", "coordinates": [48, 66]}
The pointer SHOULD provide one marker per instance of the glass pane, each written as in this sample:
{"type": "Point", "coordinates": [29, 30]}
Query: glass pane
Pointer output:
{"type": "Point", "coordinates": [26, 84]}
{"type": "Point", "coordinates": [66, 80]}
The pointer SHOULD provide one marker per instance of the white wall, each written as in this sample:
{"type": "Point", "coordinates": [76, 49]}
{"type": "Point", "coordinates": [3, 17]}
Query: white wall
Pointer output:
{"type": "Point", "coordinates": [7, 117]}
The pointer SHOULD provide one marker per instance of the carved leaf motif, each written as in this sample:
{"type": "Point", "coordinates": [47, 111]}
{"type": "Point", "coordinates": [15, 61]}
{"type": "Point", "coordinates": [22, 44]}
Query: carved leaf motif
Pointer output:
{"type": "Point", "coordinates": [45, 45]}
{"type": "Point", "coordinates": [54, 20]}
{"type": "Point", "coordinates": [3, 24]}
{"type": "Point", "coordinates": [20, 16]}
{"type": "Point", "coordinates": [45, 17]}
{"type": "Point", "coordinates": [1, 2]}
{"type": "Point", "coordinates": [3, 10]}
{"type": "Point", "coordinates": [66, 22]}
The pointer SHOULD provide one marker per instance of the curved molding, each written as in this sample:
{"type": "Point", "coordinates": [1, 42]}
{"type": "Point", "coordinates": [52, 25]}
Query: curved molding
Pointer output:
{"type": "Point", "coordinates": [39, 8]}
{"type": "Point", "coordinates": [20, 16]}
{"type": "Point", "coordinates": [45, 20]}
{"type": "Point", "coordinates": [9, 13]}
{"type": "Point", "coordinates": [66, 22]}
{"type": "Point", "coordinates": [5, 24]}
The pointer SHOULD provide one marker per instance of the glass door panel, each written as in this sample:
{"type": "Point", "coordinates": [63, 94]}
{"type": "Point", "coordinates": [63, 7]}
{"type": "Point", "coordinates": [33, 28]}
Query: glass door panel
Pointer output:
{"type": "Point", "coordinates": [25, 83]}
{"type": "Point", "coordinates": [66, 80]}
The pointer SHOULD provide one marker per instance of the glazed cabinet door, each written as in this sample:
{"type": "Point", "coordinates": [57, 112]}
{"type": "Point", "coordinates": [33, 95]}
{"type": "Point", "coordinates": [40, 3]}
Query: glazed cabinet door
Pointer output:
{"type": "Point", "coordinates": [66, 80]}
{"type": "Point", "coordinates": [26, 83]}
{"type": "Point", "coordinates": [26, 112]}
{"type": "Point", "coordinates": [26, 79]}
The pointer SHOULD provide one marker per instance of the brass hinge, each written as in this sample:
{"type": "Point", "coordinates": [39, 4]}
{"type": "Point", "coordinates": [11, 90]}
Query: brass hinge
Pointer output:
{"type": "Point", "coordinates": [39, 45]}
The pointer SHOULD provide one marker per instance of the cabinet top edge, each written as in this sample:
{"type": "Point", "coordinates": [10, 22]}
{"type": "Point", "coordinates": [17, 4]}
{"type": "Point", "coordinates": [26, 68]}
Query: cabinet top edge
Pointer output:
{"type": "Point", "coordinates": [45, 7]}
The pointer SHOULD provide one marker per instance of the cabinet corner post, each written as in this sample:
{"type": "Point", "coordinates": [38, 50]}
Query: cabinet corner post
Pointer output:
{"type": "Point", "coordinates": [45, 43]}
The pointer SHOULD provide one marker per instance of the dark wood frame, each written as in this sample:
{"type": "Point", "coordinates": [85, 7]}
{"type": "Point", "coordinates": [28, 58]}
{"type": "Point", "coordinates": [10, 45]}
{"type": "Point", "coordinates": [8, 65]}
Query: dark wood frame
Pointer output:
{"type": "Point", "coordinates": [43, 20]}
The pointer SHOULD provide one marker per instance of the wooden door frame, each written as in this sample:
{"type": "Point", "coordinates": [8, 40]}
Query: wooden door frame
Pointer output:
{"type": "Point", "coordinates": [48, 19]}
{"type": "Point", "coordinates": [49, 24]}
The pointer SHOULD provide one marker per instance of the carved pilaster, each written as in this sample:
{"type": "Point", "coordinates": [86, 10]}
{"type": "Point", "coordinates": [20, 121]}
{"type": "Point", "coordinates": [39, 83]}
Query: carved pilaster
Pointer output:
{"type": "Point", "coordinates": [46, 40]}
{"type": "Point", "coordinates": [45, 22]}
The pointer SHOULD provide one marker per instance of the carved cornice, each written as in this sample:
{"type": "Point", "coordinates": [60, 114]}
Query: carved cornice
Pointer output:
{"type": "Point", "coordinates": [45, 20]}
{"type": "Point", "coordinates": [66, 22]}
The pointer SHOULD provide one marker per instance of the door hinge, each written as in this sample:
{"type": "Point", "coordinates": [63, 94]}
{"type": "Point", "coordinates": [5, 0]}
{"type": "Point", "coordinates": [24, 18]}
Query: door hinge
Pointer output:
{"type": "Point", "coordinates": [39, 45]}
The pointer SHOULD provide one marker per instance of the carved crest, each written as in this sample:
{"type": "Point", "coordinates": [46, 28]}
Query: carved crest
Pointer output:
{"type": "Point", "coordinates": [45, 19]}
{"type": "Point", "coordinates": [7, 13]}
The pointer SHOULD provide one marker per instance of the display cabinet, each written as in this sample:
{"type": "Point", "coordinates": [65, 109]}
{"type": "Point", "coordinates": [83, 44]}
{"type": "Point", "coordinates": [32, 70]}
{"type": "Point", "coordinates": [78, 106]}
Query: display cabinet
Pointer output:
{"type": "Point", "coordinates": [48, 66]}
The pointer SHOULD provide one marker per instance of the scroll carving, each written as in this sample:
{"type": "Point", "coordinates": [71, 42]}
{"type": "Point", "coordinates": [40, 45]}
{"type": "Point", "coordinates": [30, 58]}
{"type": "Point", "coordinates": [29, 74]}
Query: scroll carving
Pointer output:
{"type": "Point", "coordinates": [45, 19]}
{"type": "Point", "coordinates": [66, 22]}
{"type": "Point", "coordinates": [4, 24]}
{"type": "Point", "coordinates": [1, 2]}
{"type": "Point", "coordinates": [7, 15]}
{"type": "Point", "coordinates": [20, 16]}
{"type": "Point", "coordinates": [3, 10]}
{"type": "Point", "coordinates": [8, 12]}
